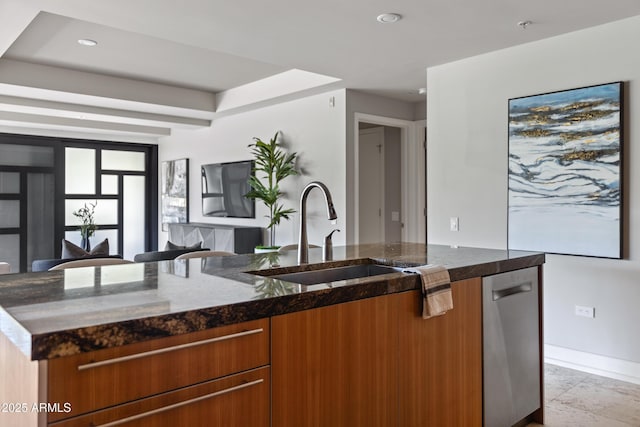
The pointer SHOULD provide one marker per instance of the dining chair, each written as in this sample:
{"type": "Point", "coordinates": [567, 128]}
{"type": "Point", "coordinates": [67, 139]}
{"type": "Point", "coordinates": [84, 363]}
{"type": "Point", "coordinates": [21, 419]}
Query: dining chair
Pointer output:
{"type": "Point", "coordinates": [205, 254]}
{"type": "Point", "coordinates": [91, 262]}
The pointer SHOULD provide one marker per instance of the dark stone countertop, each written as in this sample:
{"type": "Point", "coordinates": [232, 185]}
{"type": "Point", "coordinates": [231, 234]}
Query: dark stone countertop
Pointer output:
{"type": "Point", "coordinates": [66, 312]}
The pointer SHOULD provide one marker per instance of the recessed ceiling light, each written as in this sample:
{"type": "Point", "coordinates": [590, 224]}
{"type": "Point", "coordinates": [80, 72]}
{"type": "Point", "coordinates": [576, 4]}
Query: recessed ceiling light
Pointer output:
{"type": "Point", "coordinates": [388, 18]}
{"type": "Point", "coordinates": [87, 42]}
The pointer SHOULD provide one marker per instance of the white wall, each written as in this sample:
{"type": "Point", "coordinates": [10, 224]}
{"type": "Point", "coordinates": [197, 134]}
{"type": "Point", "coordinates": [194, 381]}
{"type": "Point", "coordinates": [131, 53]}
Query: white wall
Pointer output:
{"type": "Point", "coordinates": [420, 110]}
{"type": "Point", "coordinates": [309, 126]}
{"type": "Point", "coordinates": [467, 104]}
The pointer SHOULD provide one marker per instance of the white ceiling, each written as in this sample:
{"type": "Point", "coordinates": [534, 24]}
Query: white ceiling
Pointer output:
{"type": "Point", "coordinates": [52, 40]}
{"type": "Point", "coordinates": [166, 57]}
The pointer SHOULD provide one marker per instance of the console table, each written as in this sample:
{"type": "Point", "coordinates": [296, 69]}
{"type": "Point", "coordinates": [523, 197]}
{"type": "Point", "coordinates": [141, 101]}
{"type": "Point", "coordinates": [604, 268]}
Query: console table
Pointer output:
{"type": "Point", "coordinates": [217, 237]}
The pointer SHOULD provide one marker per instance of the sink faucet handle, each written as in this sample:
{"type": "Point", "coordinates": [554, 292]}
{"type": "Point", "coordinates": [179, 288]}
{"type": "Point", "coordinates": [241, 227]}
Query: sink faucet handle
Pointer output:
{"type": "Point", "coordinates": [327, 253]}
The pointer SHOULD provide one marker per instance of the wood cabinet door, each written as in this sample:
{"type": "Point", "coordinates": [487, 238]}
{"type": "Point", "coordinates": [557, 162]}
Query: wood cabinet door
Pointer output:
{"type": "Point", "coordinates": [236, 400]}
{"type": "Point", "coordinates": [440, 374]}
{"type": "Point", "coordinates": [104, 378]}
{"type": "Point", "coordinates": [336, 366]}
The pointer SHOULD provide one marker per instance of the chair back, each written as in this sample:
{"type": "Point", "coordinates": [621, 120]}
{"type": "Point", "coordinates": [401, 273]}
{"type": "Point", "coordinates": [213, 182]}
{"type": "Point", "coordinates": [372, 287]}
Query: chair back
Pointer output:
{"type": "Point", "coordinates": [204, 254]}
{"type": "Point", "coordinates": [90, 262]}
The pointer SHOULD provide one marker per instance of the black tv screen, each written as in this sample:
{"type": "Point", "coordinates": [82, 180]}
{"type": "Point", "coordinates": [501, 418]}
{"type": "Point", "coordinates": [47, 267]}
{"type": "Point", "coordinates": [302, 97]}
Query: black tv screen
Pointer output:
{"type": "Point", "coordinates": [223, 188]}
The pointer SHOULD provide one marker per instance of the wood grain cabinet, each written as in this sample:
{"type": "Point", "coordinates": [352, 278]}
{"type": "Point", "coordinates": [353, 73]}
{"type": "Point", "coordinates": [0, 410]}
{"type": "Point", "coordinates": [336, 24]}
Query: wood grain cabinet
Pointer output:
{"type": "Point", "coordinates": [207, 375]}
{"type": "Point", "coordinates": [336, 365]}
{"type": "Point", "coordinates": [236, 400]}
{"type": "Point", "coordinates": [371, 362]}
{"type": "Point", "coordinates": [440, 360]}
{"type": "Point", "coordinates": [376, 362]}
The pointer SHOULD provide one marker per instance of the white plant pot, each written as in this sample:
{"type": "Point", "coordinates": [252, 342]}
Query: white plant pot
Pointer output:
{"type": "Point", "coordinates": [265, 250]}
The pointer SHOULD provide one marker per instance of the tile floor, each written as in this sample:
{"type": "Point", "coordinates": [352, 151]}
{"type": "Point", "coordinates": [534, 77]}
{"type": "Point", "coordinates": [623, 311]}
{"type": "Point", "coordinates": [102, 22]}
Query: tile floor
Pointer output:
{"type": "Point", "coordinates": [574, 398]}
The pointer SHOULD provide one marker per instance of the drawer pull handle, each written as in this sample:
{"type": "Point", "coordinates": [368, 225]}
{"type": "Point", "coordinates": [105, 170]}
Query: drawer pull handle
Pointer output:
{"type": "Point", "coordinates": [179, 404]}
{"type": "Point", "coordinates": [167, 349]}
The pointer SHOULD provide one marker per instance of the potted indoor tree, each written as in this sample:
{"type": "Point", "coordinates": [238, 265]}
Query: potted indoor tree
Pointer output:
{"type": "Point", "coordinates": [274, 164]}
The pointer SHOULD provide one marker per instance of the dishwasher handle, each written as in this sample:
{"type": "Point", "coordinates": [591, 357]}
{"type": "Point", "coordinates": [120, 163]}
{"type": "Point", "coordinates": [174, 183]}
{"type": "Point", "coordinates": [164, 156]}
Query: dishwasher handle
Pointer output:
{"type": "Point", "coordinates": [513, 290]}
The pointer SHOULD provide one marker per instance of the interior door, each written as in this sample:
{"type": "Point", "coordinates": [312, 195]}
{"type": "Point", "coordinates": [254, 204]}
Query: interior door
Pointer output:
{"type": "Point", "coordinates": [371, 185]}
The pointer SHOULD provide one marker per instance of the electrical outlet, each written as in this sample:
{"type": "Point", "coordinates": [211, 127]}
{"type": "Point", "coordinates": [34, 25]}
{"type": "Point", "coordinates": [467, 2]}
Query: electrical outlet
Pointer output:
{"type": "Point", "coordinates": [454, 223]}
{"type": "Point", "coordinates": [583, 311]}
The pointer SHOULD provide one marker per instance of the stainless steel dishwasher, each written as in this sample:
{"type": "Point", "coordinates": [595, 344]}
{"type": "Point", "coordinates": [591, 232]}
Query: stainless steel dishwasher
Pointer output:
{"type": "Point", "coordinates": [511, 362]}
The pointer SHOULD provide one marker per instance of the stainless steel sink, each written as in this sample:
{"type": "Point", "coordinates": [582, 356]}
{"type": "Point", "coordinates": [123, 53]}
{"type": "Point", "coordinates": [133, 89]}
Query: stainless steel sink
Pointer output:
{"type": "Point", "coordinates": [335, 274]}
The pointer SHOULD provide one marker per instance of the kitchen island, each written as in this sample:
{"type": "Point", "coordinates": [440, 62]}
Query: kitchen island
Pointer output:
{"type": "Point", "coordinates": [175, 342]}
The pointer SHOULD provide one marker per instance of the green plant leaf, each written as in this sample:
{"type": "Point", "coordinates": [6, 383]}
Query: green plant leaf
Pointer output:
{"type": "Point", "coordinates": [272, 164]}
{"type": "Point", "coordinates": [86, 215]}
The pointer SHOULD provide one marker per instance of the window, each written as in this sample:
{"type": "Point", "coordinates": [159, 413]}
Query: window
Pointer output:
{"type": "Point", "coordinates": [44, 180]}
{"type": "Point", "coordinates": [27, 185]}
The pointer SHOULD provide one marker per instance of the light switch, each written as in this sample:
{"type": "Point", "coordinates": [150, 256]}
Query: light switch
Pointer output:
{"type": "Point", "coordinates": [395, 216]}
{"type": "Point", "coordinates": [454, 223]}
{"type": "Point", "coordinates": [585, 311]}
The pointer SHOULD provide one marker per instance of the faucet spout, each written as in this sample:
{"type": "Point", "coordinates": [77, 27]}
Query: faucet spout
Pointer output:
{"type": "Point", "coordinates": [303, 244]}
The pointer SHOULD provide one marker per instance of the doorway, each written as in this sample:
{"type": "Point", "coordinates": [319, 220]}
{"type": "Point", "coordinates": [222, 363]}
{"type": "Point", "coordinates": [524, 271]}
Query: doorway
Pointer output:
{"type": "Point", "coordinates": [379, 181]}
{"type": "Point", "coordinates": [396, 213]}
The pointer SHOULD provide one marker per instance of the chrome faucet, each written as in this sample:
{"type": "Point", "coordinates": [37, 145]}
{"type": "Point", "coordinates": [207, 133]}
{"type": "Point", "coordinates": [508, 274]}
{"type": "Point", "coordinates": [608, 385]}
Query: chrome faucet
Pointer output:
{"type": "Point", "coordinates": [303, 244]}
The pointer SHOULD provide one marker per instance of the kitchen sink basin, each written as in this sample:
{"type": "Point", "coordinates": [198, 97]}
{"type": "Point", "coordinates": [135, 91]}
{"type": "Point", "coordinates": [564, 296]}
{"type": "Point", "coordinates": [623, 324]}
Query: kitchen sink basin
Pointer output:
{"type": "Point", "coordinates": [335, 274]}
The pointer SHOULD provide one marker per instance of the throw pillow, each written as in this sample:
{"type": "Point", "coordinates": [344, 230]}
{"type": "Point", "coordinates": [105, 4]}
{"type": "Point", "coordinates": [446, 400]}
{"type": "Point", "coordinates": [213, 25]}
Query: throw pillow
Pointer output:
{"type": "Point", "coordinates": [69, 250]}
{"type": "Point", "coordinates": [170, 246]}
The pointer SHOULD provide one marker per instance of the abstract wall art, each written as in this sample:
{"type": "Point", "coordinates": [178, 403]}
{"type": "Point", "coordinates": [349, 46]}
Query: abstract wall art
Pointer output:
{"type": "Point", "coordinates": [175, 192]}
{"type": "Point", "coordinates": [565, 172]}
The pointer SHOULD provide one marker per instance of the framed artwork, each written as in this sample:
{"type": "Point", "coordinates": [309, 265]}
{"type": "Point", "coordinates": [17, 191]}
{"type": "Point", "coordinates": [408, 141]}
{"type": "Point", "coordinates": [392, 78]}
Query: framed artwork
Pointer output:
{"type": "Point", "coordinates": [565, 172]}
{"type": "Point", "coordinates": [175, 192]}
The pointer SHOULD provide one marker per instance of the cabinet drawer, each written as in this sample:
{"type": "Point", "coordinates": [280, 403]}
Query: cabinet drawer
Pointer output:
{"type": "Point", "coordinates": [96, 380]}
{"type": "Point", "coordinates": [236, 400]}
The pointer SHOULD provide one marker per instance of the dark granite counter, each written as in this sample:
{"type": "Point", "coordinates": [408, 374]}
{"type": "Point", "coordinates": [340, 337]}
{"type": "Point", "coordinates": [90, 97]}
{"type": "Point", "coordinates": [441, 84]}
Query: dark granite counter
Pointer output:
{"type": "Point", "coordinates": [66, 312]}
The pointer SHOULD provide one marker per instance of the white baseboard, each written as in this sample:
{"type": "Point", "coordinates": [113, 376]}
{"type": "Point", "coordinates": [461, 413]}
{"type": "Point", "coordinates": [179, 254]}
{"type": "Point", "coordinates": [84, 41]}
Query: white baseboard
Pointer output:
{"type": "Point", "coordinates": [593, 363]}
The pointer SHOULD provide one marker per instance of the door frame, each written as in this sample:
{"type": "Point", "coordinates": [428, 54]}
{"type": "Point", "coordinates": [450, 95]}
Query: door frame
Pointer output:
{"type": "Point", "coordinates": [412, 156]}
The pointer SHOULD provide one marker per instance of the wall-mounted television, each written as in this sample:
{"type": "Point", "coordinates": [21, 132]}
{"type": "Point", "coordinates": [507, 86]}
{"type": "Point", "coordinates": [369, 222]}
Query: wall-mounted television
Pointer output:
{"type": "Point", "coordinates": [223, 188]}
